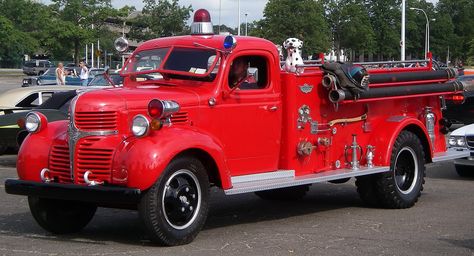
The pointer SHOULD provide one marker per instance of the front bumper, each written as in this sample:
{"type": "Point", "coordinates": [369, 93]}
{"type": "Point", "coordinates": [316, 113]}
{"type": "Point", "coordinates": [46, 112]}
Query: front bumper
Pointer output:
{"type": "Point", "coordinates": [93, 194]}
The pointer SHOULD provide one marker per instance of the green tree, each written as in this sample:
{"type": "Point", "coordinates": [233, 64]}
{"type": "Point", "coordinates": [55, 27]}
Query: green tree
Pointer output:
{"type": "Point", "coordinates": [461, 13]}
{"type": "Point", "coordinates": [385, 19]}
{"type": "Point", "coordinates": [76, 23]}
{"type": "Point", "coordinates": [13, 44]}
{"type": "Point", "coordinates": [303, 19]}
{"type": "Point", "coordinates": [159, 19]}
{"type": "Point", "coordinates": [350, 26]}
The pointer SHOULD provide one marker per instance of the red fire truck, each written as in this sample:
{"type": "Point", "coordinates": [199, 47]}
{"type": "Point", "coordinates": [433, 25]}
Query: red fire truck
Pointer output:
{"type": "Point", "coordinates": [182, 123]}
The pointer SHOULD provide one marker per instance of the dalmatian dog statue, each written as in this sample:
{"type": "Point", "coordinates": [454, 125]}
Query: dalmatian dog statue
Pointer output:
{"type": "Point", "coordinates": [293, 48]}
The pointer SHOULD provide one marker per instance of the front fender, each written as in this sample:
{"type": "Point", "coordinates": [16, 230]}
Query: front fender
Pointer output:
{"type": "Point", "coordinates": [143, 160]}
{"type": "Point", "coordinates": [387, 133]}
{"type": "Point", "coordinates": [34, 151]}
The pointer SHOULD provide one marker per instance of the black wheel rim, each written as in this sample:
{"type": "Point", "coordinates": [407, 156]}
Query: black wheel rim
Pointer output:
{"type": "Point", "coordinates": [181, 200]}
{"type": "Point", "coordinates": [406, 170]}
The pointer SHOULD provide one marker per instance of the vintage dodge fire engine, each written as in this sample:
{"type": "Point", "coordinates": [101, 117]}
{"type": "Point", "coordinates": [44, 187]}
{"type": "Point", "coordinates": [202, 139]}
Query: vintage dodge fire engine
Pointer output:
{"type": "Point", "coordinates": [184, 121]}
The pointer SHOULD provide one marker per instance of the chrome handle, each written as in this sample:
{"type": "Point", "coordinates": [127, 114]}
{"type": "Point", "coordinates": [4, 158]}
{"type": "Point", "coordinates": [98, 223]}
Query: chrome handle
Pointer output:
{"type": "Point", "coordinates": [272, 108]}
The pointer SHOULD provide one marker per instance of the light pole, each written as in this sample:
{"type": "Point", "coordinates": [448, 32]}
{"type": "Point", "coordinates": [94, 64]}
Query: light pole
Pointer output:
{"type": "Point", "coordinates": [402, 40]}
{"type": "Point", "coordinates": [246, 24]}
{"type": "Point", "coordinates": [427, 30]}
{"type": "Point", "coordinates": [238, 27]}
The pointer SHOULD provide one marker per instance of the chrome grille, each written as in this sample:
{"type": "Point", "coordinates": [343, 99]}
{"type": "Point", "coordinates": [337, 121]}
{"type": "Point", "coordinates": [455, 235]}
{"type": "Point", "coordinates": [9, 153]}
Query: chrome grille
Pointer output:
{"type": "Point", "coordinates": [96, 160]}
{"type": "Point", "coordinates": [180, 117]}
{"type": "Point", "coordinates": [106, 120]}
{"type": "Point", "coordinates": [59, 164]}
{"type": "Point", "coordinates": [470, 141]}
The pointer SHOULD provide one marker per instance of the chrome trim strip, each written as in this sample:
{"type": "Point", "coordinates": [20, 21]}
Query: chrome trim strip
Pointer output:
{"type": "Point", "coordinates": [279, 174]}
{"type": "Point", "coordinates": [266, 184]}
{"type": "Point", "coordinates": [450, 154]}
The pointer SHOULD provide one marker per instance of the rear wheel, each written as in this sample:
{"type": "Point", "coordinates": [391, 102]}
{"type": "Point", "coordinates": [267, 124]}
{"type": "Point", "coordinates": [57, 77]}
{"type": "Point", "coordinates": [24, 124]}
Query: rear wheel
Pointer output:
{"type": "Point", "coordinates": [59, 216]}
{"type": "Point", "coordinates": [402, 186]}
{"type": "Point", "coordinates": [175, 208]}
{"type": "Point", "coordinates": [289, 193]}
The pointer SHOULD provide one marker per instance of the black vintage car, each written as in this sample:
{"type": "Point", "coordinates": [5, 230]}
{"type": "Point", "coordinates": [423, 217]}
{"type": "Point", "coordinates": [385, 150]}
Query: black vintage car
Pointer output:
{"type": "Point", "coordinates": [461, 112]}
{"type": "Point", "coordinates": [12, 131]}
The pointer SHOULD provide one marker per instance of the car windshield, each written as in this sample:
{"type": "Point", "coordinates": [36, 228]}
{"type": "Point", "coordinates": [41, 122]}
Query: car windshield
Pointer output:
{"type": "Point", "coordinates": [101, 80]}
{"type": "Point", "coordinates": [50, 72]}
{"type": "Point", "coordinates": [179, 61]}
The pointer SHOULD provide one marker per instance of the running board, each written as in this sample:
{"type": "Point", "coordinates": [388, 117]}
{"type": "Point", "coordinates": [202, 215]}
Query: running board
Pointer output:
{"type": "Point", "coordinates": [450, 154]}
{"type": "Point", "coordinates": [287, 178]}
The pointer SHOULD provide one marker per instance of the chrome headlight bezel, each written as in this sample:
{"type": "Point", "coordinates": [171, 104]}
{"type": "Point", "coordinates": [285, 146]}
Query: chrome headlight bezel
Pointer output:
{"type": "Point", "coordinates": [457, 141]}
{"type": "Point", "coordinates": [140, 126]}
{"type": "Point", "coordinates": [32, 122]}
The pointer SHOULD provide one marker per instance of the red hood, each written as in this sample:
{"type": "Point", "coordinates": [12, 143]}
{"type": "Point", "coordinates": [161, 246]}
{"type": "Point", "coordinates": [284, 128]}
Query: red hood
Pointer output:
{"type": "Point", "coordinates": [133, 98]}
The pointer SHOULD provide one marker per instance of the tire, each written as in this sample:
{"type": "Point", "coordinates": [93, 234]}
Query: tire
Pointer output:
{"type": "Point", "coordinates": [183, 185]}
{"type": "Point", "coordinates": [59, 216]}
{"type": "Point", "coordinates": [465, 171]}
{"type": "Point", "coordinates": [285, 194]}
{"type": "Point", "coordinates": [401, 187]}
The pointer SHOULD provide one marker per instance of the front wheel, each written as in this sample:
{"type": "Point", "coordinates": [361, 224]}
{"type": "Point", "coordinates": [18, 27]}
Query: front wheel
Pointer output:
{"type": "Point", "coordinates": [175, 208]}
{"type": "Point", "coordinates": [59, 216]}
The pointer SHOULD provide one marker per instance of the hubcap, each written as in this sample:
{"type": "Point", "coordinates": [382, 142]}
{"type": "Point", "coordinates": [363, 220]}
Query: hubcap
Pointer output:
{"type": "Point", "coordinates": [181, 199]}
{"type": "Point", "coordinates": [406, 170]}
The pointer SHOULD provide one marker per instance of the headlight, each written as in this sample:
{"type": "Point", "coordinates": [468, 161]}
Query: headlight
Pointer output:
{"type": "Point", "coordinates": [457, 141]}
{"type": "Point", "coordinates": [32, 122]}
{"type": "Point", "coordinates": [140, 125]}
{"type": "Point", "coordinates": [461, 142]}
{"type": "Point", "coordinates": [452, 141]}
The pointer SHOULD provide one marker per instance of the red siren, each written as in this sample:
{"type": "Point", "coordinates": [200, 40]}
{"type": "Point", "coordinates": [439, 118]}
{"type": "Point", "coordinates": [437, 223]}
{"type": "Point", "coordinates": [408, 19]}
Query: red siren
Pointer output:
{"type": "Point", "coordinates": [202, 24]}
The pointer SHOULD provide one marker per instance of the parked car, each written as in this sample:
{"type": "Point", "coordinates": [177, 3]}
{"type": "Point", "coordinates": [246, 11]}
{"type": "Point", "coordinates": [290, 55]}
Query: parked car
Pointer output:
{"type": "Point", "coordinates": [463, 139]}
{"type": "Point", "coordinates": [36, 67]}
{"type": "Point", "coordinates": [27, 98]}
{"type": "Point", "coordinates": [461, 111]}
{"type": "Point", "coordinates": [72, 78]}
{"type": "Point", "coordinates": [12, 130]}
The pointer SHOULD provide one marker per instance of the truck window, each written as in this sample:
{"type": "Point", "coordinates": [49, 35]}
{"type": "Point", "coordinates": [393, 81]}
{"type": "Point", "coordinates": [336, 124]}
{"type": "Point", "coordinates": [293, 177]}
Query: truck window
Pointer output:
{"type": "Point", "coordinates": [248, 72]}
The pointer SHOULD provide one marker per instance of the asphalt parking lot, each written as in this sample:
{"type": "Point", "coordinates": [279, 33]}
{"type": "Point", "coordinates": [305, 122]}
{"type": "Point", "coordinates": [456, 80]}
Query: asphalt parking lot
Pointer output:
{"type": "Point", "coordinates": [330, 220]}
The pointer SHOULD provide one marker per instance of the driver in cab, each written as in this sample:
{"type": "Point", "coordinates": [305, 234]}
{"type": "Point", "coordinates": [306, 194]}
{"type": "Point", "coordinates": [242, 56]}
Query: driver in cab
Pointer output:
{"type": "Point", "coordinates": [239, 76]}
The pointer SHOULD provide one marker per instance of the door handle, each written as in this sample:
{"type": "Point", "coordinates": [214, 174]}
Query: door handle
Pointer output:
{"type": "Point", "coordinates": [272, 108]}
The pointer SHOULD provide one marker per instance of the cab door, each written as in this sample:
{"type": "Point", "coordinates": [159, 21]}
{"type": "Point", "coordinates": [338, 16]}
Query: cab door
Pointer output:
{"type": "Point", "coordinates": [250, 117]}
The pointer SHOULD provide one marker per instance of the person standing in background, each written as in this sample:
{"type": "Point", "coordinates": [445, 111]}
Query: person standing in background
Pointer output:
{"type": "Point", "coordinates": [60, 74]}
{"type": "Point", "coordinates": [84, 73]}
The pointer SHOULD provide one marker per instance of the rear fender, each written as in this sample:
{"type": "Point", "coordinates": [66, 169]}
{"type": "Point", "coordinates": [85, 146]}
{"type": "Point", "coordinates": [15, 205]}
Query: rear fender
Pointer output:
{"type": "Point", "coordinates": [388, 131]}
{"type": "Point", "coordinates": [142, 160]}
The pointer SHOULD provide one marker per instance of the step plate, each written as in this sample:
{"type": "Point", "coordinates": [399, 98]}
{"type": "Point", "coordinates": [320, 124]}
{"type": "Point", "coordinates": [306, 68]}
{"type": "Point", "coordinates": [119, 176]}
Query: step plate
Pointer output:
{"type": "Point", "coordinates": [258, 182]}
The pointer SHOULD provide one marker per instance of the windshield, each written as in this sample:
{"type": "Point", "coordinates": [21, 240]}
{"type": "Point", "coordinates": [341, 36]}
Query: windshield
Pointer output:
{"type": "Point", "coordinates": [177, 61]}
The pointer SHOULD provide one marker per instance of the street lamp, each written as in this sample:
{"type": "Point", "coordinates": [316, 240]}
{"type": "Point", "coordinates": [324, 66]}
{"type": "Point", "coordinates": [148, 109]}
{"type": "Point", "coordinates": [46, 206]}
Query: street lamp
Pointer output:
{"type": "Point", "coordinates": [246, 24]}
{"type": "Point", "coordinates": [427, 31]}
{"type": "Point", "coordinates": [238, 27]}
